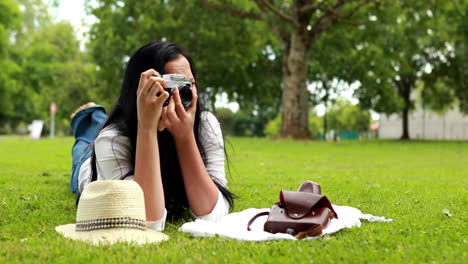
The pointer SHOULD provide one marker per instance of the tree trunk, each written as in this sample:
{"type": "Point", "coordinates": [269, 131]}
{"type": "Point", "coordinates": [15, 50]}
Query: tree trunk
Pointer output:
{"type": "Point", "coordinates": [325, 103]}
{"type": "Point", "coordinates": [325, 125]}
{"type": "Point", "coordinates": [405, 134]}
{"type": "Point", "coordinates": [405, 94]}
{"type": "Point", "coordinates": [295, 98]}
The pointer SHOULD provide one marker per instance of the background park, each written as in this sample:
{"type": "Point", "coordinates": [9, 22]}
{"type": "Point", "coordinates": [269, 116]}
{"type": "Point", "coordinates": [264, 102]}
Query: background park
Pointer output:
{"type": "Point", "coordinates": [286, 79]}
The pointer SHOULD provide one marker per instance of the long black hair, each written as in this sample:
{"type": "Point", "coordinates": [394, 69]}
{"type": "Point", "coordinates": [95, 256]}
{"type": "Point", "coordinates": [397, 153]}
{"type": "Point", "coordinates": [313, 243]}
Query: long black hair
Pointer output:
{"type": "Point", "coordinates": [123, 117]}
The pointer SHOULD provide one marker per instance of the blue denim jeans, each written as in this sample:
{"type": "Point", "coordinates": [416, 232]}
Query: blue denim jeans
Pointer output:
{"type": "Point", "coordinates": [85, 125]}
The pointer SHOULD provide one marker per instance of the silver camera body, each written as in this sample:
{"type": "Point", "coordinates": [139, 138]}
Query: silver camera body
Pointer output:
{"type": "Point", "coordinates": [177, 81]}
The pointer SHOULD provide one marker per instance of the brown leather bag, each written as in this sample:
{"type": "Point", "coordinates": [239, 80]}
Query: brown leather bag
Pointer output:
{"type": "Point", "coordinates": [302, 213]}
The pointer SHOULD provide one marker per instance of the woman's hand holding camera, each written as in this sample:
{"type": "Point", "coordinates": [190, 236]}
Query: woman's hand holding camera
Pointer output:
{"type": "Point", "coordinates": [178, 120]}
{"type": "Point", "coordinates": [150, 98]}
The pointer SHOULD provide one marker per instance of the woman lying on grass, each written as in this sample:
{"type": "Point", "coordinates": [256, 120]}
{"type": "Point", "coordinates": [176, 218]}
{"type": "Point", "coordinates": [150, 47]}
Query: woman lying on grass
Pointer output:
{"type": "Point", "coordinates": [174, 152]}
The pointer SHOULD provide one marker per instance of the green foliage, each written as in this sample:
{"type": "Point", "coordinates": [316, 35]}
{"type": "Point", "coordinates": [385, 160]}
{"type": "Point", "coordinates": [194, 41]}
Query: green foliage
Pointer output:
{"type": "Point", "coordinates": [229, 55]}
{"type": "Point", "coordinates": [386, 178]}
{"type": "Point", "coordinates": [242, 123]}
{"type": "Point", "coordinates": [396, 46]}
{"type": "Point", "coordinates": [52, 69]}
{"type": "Point", "coordinates": [44, 65]}
{"type": "Point", "coordinates": [273, 127]}
{"type": "Point", "coordinates": [344, 116]}
{"type": "Point", "coordinates": [10, 14]}
{"type": "Point", "coordinates": [383, 47]}
{"type": "Point", "coordinates": [395, 49]}
{"type": "Point", "coordinates": [226, 118]}
{"type": "Point", "coordinates": [451, 72]}
{"type": "Point", "coordinates": [438, 97]}
{"type": "Point", "coordinates": [315, 124]}
{"type": "Point", "coordinates": [9, 21]}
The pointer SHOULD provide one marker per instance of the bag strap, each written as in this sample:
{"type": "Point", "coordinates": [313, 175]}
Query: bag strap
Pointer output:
{"type": "Point", "coordinates": [255, 217]}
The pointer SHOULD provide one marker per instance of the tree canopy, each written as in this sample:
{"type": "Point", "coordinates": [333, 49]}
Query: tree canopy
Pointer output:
{"type": "Point", "coordinates": [297, 25]}
{"type": "Point", "coordinates": [264, 54]}
{"type": "Point", "coordinates": [44, 65]}
{"type": "Point", "coordinates": [228, 54]}
{"type": "Point", "coordinates": [9, 21]}
{"type": "Point", "coordinates": [404, 43]}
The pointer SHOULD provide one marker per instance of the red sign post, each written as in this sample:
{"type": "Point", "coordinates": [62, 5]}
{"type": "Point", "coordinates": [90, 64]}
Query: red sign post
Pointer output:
{"type": "Point", "coordinates": [53, 110]}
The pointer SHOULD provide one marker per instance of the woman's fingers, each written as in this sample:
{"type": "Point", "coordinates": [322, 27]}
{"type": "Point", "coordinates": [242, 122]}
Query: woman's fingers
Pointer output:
{"type": "Point", "coordinates": [150, 89]}
{"type": "Point", "coordinates": [193, 106]}
{"type": "Point", "coordinates": [171, 113]}
{"type": "Point", "coordinates": [144, 77]}
{"type": "Point", "coordinates": [152, 81]}
{"type": "Point", "coordinates": [179, 108]}
{"type": "Point", "coordinates": [163, 95]}
{"type": "Point", "coordinates": [155, 91]}
{"type": "Point", "coordinates": [147, 80]}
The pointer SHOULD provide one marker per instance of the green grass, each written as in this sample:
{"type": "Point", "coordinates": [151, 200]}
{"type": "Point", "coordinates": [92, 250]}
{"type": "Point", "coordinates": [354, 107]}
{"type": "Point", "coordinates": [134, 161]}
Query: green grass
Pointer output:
{"type": "Point", "coordinates": [412, 182]}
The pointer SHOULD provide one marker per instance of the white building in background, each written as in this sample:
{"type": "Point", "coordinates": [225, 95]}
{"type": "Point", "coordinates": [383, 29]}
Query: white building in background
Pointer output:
{"type": "Point", "coordinates": [424, 124]}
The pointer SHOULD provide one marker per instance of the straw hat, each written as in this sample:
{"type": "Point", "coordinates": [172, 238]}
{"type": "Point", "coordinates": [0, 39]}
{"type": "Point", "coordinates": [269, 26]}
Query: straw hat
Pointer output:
{"type": "Point", "coordinates": [110, 212]}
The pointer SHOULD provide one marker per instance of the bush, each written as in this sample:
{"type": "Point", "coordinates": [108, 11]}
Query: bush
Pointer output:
{"type": "Point", "coordinates": [242, 123]}
{"type": "Point", "coordinates": [226, 119]}
{"type": "Point", "coordinates": [273, 127]}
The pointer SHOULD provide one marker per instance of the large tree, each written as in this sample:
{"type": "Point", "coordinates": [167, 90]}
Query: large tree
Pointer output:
{"type": "Point", "coordinates": [409, 43]}
{"type": "Point", "coordinates": [298, 25]}
{"type": "Point", "coordinates": [450, 73]}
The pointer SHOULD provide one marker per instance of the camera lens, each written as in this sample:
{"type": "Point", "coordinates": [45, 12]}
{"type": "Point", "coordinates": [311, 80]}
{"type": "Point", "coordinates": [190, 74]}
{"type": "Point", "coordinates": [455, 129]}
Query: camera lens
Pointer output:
{"type": "Point", "coordinates": [186, 95]}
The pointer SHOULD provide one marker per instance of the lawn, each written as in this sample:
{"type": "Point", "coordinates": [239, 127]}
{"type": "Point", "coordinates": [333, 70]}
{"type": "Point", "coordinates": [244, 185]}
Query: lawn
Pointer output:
{"type": "Point", "coordinates": [421, 185]}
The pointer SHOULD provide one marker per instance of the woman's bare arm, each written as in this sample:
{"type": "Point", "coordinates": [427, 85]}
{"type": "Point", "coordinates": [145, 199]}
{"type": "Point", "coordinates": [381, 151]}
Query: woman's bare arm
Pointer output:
{"type": "Point", "coordinates": [147, 162]}
{"type": "Point", "coordinates": [202, 193]}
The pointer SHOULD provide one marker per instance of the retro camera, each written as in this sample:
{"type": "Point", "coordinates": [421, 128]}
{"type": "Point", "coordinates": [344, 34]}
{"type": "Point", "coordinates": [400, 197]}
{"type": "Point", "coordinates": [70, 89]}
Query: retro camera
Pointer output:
{"type": "Point", "coordinates": [177, 81]}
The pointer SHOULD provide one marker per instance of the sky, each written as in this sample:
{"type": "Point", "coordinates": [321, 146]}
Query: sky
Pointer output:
{"type": "Point", "coordinates": [73, 11]}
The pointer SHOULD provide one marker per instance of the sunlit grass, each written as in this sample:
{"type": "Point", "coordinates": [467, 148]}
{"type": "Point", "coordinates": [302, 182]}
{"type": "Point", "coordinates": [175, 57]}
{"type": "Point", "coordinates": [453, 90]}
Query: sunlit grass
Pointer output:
{"type": "Point", "coordinates": [421, 185]}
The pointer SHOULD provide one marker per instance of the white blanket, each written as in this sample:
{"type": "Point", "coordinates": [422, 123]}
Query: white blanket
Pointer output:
{"type": "Point", "coordinates": [234, 225]}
